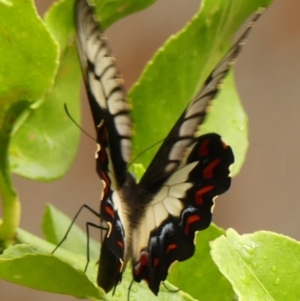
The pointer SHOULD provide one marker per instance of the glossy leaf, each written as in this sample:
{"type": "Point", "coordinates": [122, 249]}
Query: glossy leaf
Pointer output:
{"type": "Point", "coordinates": [48, 135]}
{"type": "Point", "coordinates": [31, 264]}
{"type": "Point", "coordinates": [10, 201]}
{"type": "Point", "coordinates": [27, 67]}
{"type": "Point", "coordinates": [199, 276]}
{"type": "Point", "coordinates": [18, 90]}
{"type": "Point", "coordinates": [260, 266]}
{"type": "Point", "coordinates": [140, 291]}
{"type": "Point", "coordinates": [110, 11]}
{"type": "Point", "coordinates": [45, 146]}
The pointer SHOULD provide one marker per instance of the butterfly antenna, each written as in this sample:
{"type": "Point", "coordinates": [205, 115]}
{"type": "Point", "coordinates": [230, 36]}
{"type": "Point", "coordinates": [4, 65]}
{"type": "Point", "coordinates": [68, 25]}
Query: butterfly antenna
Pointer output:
{"type": "Point", "coordinates": [76, 123]}
{"type": "Point", "coordinates": [144, 151]}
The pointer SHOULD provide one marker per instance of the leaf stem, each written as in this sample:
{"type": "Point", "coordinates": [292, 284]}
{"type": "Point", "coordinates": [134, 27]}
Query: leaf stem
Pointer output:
{"type": "Point", "coordinates": [11, 212]}
{"type": "Point", "coordinates": [10, 201]}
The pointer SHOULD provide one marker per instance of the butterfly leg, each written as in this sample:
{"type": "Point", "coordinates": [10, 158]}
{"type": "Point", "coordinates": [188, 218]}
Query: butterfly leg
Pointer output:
{"type": "Point", "coordinates": [87, 226]}
{"type": "Point", "coordinates": [72, 223]}
{"type": "Point", "coordinates": [129, 289]}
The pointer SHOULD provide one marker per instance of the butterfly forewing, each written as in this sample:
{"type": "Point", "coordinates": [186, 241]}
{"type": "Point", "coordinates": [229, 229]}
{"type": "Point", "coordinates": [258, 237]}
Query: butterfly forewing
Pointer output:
{"type": "Point", "coordinates": [110, 112]}
{"type": "Point", "coordinates": [182, 135]}
{"type": "Point", "coordinates": [105, 89]}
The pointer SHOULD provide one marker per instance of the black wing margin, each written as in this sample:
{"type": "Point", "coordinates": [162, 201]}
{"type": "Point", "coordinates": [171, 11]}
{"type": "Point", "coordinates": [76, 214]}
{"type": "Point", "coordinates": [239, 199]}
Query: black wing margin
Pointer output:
{"type": "Point", "coordinates": [105, 89]}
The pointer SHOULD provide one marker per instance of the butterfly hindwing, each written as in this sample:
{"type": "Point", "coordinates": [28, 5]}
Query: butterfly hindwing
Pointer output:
{"type": "Point", "coordinates": [184, 207]}
{"type": "Point", "coordinates": [113, 244]}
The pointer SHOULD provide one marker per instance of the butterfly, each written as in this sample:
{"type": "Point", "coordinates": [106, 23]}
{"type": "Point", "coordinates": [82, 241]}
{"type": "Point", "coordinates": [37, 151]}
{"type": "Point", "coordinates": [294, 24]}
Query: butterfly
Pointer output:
{"type": "Point", "coordinates": [151, 223]}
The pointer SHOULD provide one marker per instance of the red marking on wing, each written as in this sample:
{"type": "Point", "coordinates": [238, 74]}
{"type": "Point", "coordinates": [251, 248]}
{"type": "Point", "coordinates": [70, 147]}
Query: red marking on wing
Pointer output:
{"type": "Point", "coordinates": [102, 133]}
{"type": "Point", "coordinates": [120, 244]}
{"type": "Point", "coordinates": [102, 155]}
{"type": "Point", "coordinates": [110, 211]}
{"type": "Point", "coordinates": [171, 247]}
{"type": "Point", "coordinates": [144, 259]}
{"type": "Point", "coordinates": [208, 171]}
{"type": "Point", "coordinates": [203, 150]}
{"type": "Point", "coordinates": [156, 262]}
{"type": "Point", "coordinates": [191, 219]}
{"type": "Point", "coordinates": [200, 192]}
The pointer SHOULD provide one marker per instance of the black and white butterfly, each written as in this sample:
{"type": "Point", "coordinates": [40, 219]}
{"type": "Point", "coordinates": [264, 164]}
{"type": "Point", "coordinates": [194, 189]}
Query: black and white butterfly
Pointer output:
{"type": "Point", "coordinates": [153, 222]}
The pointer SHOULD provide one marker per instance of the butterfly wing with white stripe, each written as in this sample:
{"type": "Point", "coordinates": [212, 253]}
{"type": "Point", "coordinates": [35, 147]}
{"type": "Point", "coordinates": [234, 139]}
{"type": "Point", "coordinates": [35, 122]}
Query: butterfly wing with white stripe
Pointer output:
{"type": "Point", "coordinates": [186, 174]}
{"type": "Point", "coordinates": [113, 126]}
{"type": "Point", "coordinates": [182, 206]}
{"type": "Point", "coordinates": [169, 156]}
{"type": "Point", "coordinates": [105, 88]}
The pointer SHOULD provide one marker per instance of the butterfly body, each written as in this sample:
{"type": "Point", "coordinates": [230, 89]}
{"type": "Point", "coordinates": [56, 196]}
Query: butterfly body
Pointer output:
{"type": "Point", "coordinates": [151, 223]}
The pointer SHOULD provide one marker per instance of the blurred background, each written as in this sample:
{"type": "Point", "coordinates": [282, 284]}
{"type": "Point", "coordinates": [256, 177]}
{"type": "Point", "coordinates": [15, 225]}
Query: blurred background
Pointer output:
{"type": "Point", "coordinates": [265, 195]}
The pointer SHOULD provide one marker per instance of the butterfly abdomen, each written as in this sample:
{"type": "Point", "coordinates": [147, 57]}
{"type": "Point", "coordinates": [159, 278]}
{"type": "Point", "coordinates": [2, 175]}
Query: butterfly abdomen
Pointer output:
{"type": "Point", "coordinates": [111, 265]}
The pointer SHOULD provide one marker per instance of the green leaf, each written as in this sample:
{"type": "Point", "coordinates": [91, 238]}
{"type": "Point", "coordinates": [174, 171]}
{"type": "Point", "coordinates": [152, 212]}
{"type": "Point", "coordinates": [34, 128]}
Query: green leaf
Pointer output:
{"type": "Point", "coordinates": [64, 265]}
{"type": "Point", "coordinates": [28, 55]}
{"type": "Point", "coordinates": [10, 202]}
{"type": "Point", "coordinates": [45, 146]}
{"type": "Point", "coordinates": [60, 21]}
{"type": "Point", "coordinates": [28, 63]}
{"type": "Point", "coordinates": [260, 266]}
{"type": "Point", "coordinates": [140, 291]}
{"type": "Point", "coordinates": [179, 68]}
{"type": "Point", "coordinates": [11, 119]}
{"type": "Point", "coordinates": [29, 266]}
{"type": "Point", "coordinates": [48, 135]}
{"type": "Point", "coordinates": [110, 11]}
{"type": "Point", "coordinates": [6, 2]}
{"type": "Point", "coordinates": [199, 275]}
{"type": "Point", "coordinates": [138, 170]}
